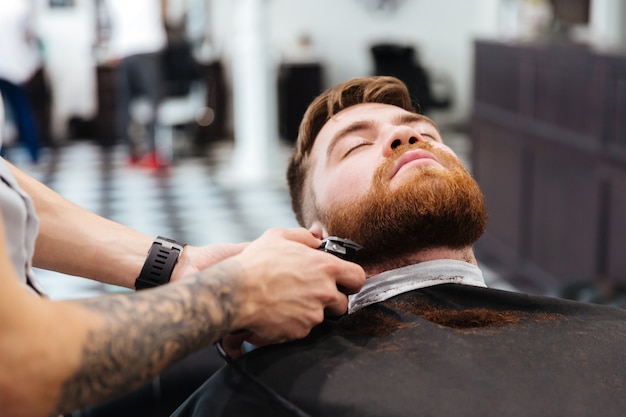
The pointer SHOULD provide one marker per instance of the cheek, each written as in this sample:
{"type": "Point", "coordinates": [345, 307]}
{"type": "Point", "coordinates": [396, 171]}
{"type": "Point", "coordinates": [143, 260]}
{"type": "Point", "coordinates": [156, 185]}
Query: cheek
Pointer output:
{"type": "Point", "coordinates": [342, 185]}
{"type": "Point", "coordinates": [444, 148]}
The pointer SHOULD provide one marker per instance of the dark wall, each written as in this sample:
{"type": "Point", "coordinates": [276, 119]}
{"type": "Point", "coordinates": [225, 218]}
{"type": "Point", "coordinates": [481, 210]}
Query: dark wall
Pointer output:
{"type": "Point", "coordinates": [549, 151]}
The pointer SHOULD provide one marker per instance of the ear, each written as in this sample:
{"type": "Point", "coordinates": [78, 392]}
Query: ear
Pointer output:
{"type": "Point", "coordinates": [318, 230]}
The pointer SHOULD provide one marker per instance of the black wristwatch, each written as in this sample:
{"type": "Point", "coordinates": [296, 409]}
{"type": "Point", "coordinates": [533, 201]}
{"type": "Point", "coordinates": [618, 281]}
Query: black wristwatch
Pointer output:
{"type": "Point", "coordinates": [162, 257]}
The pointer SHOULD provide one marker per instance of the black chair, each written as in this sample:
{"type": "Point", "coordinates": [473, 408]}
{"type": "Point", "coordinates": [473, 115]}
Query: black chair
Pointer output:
{"type": "Point", "coordinates": [400, 61]}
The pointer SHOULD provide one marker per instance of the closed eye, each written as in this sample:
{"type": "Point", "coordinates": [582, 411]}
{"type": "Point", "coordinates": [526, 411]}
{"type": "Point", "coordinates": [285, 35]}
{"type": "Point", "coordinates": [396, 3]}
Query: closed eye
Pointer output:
{"type": "Point", "coordinates": [355, 148]}
{"type": "Point", "coordinates": [430, 136]}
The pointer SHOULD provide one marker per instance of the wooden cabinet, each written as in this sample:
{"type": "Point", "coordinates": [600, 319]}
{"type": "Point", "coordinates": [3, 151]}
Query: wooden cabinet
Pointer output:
{"type": "Point", "coordinates": [549, 151]}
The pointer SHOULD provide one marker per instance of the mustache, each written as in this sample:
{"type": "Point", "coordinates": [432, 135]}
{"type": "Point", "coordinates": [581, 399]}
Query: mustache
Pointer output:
{"type": "Point", "coordinates": [397, 152]}
{"type": "Point", "coordinates": [382, 171]}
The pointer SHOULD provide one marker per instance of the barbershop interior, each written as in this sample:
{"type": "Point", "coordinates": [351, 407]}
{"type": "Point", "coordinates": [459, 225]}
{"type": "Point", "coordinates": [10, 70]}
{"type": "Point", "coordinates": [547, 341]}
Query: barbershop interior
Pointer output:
{"type": "Point", "coordinates": [530, 94]}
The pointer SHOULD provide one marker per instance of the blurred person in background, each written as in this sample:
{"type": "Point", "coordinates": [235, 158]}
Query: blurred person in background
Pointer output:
{"type": "Point", "coordinates": [20, 64]}
{"type": "Point", "coordinates": [137, 40]}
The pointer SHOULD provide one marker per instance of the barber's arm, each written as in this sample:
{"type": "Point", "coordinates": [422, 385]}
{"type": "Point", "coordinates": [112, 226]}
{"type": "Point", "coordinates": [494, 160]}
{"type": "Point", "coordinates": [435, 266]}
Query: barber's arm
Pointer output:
{"type": "Point", "coordinates": [75, 241]}
{"type": "Point", "coordinates": [59, 356]}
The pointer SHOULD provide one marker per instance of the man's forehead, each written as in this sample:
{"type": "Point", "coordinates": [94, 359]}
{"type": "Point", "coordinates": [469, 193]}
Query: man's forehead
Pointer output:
{"type": "Point", "coordinates": [362, 111]}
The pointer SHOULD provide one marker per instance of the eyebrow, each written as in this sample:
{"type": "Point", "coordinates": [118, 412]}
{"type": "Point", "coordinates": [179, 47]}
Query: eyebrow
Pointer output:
{"type": "Point", "coordinates": [408, 118]}
{"type": "Point", "coordinates": [357, 126]}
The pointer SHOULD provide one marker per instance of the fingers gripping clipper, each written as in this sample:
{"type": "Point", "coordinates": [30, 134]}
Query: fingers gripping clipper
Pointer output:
{"type": "Point", "coordinates": [342, 248]}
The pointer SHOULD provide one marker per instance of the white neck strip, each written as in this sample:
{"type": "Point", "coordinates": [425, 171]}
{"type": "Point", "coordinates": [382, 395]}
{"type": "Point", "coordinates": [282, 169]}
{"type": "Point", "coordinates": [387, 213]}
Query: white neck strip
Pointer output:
{"type": "Point", "coordinates": [424, 274]}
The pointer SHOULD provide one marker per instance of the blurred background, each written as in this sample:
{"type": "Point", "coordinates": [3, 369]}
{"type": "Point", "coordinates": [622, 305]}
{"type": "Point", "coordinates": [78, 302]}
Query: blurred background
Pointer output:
{"type": "Point", "coordinates": [183, 129]}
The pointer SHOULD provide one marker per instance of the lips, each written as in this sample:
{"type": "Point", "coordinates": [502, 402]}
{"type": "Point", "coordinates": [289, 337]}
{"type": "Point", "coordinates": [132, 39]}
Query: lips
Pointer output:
{"type": "Point", "coordinates": [410, 156]}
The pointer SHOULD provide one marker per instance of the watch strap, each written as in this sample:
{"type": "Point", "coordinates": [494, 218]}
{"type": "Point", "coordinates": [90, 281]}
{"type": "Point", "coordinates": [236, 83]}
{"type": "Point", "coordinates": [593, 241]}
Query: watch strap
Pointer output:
{"type": "Point", "coordinates": [162, 257]}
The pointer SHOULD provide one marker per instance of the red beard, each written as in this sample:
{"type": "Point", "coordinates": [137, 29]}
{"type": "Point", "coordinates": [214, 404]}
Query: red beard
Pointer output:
{"type": "Point", "coordinates": [432, 208]}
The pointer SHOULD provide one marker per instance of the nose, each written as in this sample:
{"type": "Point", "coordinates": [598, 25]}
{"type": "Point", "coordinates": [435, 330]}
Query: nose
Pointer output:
{"type": "Point", "coordinates": [398, 142]}
{"type": "Point", "coordinates": [402, 135]}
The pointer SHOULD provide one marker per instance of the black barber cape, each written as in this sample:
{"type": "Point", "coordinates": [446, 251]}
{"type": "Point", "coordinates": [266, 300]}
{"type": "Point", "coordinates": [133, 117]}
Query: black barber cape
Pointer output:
{"type": "Point", "coordinates": [447, 350]}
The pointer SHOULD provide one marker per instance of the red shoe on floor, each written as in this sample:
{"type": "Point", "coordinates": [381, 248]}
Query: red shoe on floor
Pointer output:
{"type": "Point", "coordinates": [151, 161]}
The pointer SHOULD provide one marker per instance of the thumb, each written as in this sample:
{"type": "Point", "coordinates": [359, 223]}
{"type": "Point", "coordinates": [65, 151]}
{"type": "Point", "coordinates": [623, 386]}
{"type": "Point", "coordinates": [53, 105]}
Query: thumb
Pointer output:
{"type": "Point", "coordinates": [233, 343]}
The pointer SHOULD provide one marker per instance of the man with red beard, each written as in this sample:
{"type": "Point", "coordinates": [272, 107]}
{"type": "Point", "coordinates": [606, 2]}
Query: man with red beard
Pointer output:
{"type": "Point", "coordinates": [424, 336]}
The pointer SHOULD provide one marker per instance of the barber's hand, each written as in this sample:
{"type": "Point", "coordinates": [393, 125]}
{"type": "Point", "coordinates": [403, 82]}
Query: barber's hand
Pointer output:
{"type": "Point", "coordinates": [287, 286]}
{"type": "Point", "coordinates": [195, 259]}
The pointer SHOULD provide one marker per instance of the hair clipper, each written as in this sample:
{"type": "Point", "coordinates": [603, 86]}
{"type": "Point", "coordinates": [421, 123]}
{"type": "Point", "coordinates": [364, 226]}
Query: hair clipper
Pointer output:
{"type": "Point", "coordinates": [342, 248]}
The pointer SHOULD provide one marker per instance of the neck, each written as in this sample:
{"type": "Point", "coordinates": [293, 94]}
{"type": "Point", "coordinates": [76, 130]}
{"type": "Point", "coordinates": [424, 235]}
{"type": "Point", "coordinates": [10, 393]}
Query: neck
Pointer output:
{"type": "Point", "coordinates": [464, 254]}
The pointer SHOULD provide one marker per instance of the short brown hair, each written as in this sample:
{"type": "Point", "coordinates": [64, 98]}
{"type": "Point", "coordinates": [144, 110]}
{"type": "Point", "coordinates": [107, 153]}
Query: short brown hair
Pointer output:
{"type": "Point", "coordinates": [377, 89]}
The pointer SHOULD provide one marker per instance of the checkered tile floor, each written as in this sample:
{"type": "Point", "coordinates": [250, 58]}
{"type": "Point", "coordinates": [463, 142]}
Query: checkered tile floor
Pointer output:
{"type": "Point", "coordinates": [194, 201]}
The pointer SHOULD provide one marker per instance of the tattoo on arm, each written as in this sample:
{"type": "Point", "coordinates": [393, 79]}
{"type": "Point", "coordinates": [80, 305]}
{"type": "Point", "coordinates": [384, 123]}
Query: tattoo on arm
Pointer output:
{"type": "Point", "coordinates": [146, 332]}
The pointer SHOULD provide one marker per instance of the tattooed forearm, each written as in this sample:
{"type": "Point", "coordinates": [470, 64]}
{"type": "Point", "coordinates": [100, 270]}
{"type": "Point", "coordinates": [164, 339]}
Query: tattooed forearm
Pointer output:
{"type": "Point", "coordinates": [147, 331]}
